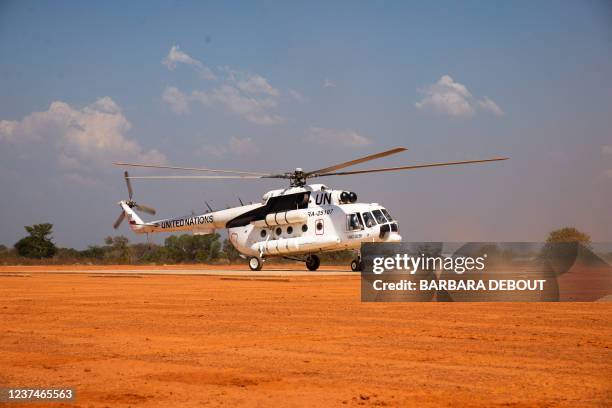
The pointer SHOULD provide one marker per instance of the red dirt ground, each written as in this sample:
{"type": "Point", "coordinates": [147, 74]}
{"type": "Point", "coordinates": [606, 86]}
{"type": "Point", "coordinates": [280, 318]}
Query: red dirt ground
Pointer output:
{"type": "Point", "coordinates": [164, 341]}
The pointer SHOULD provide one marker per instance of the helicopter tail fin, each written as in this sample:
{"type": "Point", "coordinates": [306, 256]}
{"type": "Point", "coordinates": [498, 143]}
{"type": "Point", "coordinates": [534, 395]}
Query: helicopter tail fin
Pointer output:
{"type": "Point", "coordinates": [133, 218]}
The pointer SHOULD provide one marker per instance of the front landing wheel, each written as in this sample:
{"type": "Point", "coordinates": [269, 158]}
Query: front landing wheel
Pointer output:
{"type": "Point", "coordinates": [255, 263]}
{"type": "Point", "coordinates": [356, 265]}
{"type": "Point", "coordinates": [312, 262]}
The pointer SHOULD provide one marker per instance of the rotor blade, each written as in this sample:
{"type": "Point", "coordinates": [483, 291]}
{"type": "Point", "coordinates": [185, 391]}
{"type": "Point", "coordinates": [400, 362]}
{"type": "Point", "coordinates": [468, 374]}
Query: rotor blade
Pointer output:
{"type": "Point", "coordinates": [196, 177]}
{"type": "Point", "coordinates": [154, 166]}
{"type": "Point", "coordinates": [418, 166]}
{"type": "Point", "coordinates": [119, 220]}
{"type": "Point", "coordinates": [145, 208]}
{"type": "Point", "coordinates": [129, 185]}
{"type": "Point", "coordinates": [356, 161]}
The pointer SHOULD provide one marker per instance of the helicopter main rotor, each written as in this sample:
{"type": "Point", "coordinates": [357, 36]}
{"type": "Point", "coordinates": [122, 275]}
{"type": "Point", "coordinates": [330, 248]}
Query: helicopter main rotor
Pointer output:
{"type": "Point", "coordinates": [298, 177]}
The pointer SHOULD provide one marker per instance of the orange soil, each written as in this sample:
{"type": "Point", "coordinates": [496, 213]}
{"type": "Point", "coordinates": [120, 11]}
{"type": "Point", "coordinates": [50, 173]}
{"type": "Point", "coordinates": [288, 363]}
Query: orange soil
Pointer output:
{"type": "Point", "coordinates": [164, 341]}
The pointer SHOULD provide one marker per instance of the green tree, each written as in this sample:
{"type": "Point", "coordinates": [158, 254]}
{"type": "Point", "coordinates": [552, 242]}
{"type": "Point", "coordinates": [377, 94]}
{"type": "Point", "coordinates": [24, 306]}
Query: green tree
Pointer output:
{"type": "Point", "coordinates": [230, 252]}
{"type": "Point", "coordinates": [118, 249]}
{"type": "Point", "coordinates": [94, 252]}
{"type": "Point", "coordinates": [39, 244]}
{"type": "Point", "coordinates": [568, 234]}
{"type": "Point", "coordinates": [148, 253]}
{"type": "Point", "coordinates": [192, 248]}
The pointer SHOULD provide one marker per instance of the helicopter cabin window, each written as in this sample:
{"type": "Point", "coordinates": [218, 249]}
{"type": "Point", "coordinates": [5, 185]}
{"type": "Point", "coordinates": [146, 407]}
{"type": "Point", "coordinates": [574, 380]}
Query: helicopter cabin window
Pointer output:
{"type": "Point", "coordinates": [379, 216]}
{"type": "Point", "coordinates": [354, 222]}
{"type": "Point", "coordinates": [279, 231]}
{"type": "Point", "coordinates": [384, 211]}
{"type": "Point", "coordinates": [289, 230]}
{"type": "Point", "coordinates": [368, 219]}
{"type": "Point", "coordinates": [304, 228]}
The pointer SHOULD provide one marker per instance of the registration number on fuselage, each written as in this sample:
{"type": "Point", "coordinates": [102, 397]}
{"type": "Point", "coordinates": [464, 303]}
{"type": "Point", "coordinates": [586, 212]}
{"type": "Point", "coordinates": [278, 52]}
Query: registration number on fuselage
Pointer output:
{"type": "Point", "coordinates": [320, 212]}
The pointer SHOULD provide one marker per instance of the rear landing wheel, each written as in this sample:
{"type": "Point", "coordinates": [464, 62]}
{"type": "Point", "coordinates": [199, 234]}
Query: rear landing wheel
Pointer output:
{"type": "Point", "coordinates": [356, 265]}
{"type": "Point", "coordinates": [255, 263]}
{"type": "Point", "coordinates": [312, 262]}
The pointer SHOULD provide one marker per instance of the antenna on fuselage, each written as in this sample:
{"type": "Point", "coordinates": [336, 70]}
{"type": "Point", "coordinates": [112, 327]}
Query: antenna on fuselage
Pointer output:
{"type": "Point", "coordinates": [209, 207]}
{"type": "Point", "coordinates": [241, 203]}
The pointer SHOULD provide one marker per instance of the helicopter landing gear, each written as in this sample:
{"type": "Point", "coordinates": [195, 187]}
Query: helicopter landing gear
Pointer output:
{"type": "Point", "coordinates": [255, 263]}
{"type": "Point", "coordinates": [356, 265]}
{"type": "Point", "coordinates": [313, 262]}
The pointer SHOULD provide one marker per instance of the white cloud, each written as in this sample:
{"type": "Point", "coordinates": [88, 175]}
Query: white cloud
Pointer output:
{"type": "Point", "coordinates": [252, 83]}
{"type": "Point", "coordinates": [178, 101]}
{"type": "Point", "coordinates": [448, 97]}
{"type": "Point", "coordinates": [336, 137]}
{"type": "Point", "coordinates": [176, 56]}
{"type": "Point", "coordinates": [236, 146]}
{"type": "Point", "coordinates": [81, 138]}
{"type": "Point", "coordinates": [328, 83]}
{"type": "Point", "coordinates": [488, 105]}
{"type": "Point", "coordinates": [454, 99]}
{"type": "Point", "coordinates": [296, 95]}
{"type": "Point", "coordinates": [254, 108]}
{"type": "Point", "coordinates": [7, 130]}
{"type": "Point", "coordinates": [607, 149]}
{"type": "Point", "coordinates": [245, 94]}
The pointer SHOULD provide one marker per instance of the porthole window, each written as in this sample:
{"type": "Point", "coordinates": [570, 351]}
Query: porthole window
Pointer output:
{"type": "Point", "coordinates": [279, 231]}
{"type": "Point", "coordinates": [263, 233]}
{"type": "Point", "coordinates": [319, 226]}
{"type": "Point", "coordinates": [290, 230]}
{"type": "Point", "coordinates": [304, 228]}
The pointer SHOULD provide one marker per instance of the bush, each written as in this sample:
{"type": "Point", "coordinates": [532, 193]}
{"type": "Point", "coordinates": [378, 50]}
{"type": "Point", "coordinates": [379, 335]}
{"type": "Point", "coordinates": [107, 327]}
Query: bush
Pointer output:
{"type": "Point", "coordinates": [230, 252]}
{"type": "Point", "coordinates": [192, 248]}
{"type": "Point", "coordinates": [568, 234]}
{"type": "Point", "coordinates": [39, 244]}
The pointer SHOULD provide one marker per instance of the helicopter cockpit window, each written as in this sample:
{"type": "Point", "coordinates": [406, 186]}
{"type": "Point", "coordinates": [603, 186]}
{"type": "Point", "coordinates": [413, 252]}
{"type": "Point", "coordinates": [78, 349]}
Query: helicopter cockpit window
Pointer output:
{"type": "Point", "coordinates": [384, 211]}
{"type": "Point", "coordinates": [368, 219]}
{"type": "Point", "coordinates": [379, 216]}
{"type": "Point", "coordinates": [354, 222]}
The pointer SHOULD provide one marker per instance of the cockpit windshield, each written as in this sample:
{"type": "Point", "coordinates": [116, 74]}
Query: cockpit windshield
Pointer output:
{"type": "Point", "coordinates": [354, 222]}
{"type": "Point", "coordinates": [368, 219]}
{"type": "Point", "coordinates": [384, 211]}
{"type": "Point", "coordinates": [379, 216]}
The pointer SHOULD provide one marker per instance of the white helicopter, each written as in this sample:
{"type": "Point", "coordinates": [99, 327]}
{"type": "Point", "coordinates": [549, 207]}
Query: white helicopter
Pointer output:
{"type": "Point", "coordinates": [296, 223]}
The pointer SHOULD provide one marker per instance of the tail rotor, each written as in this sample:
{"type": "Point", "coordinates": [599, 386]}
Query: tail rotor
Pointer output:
{"type": "Point", "coordinates": [131, 203]}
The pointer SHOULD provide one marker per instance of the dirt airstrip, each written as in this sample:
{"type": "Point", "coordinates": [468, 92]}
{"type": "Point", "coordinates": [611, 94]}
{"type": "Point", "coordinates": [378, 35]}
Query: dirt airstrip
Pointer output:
{"type": "Point", "coordinates": [134, 339]}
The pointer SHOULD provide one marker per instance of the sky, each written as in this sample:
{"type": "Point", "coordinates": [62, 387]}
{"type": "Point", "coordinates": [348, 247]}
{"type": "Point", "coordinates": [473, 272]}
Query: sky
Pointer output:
{"type": "Point", "coordinates": [270, 86]}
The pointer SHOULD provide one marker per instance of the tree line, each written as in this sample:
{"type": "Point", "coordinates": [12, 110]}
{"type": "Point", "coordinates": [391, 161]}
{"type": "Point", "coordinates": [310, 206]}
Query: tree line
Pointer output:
{"type": "Point", "coordinates": [38, 247]}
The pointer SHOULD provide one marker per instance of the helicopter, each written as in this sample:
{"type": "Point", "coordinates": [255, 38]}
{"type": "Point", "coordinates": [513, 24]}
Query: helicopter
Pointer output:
{"type": "Point", "coordinates": [298, 222]}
